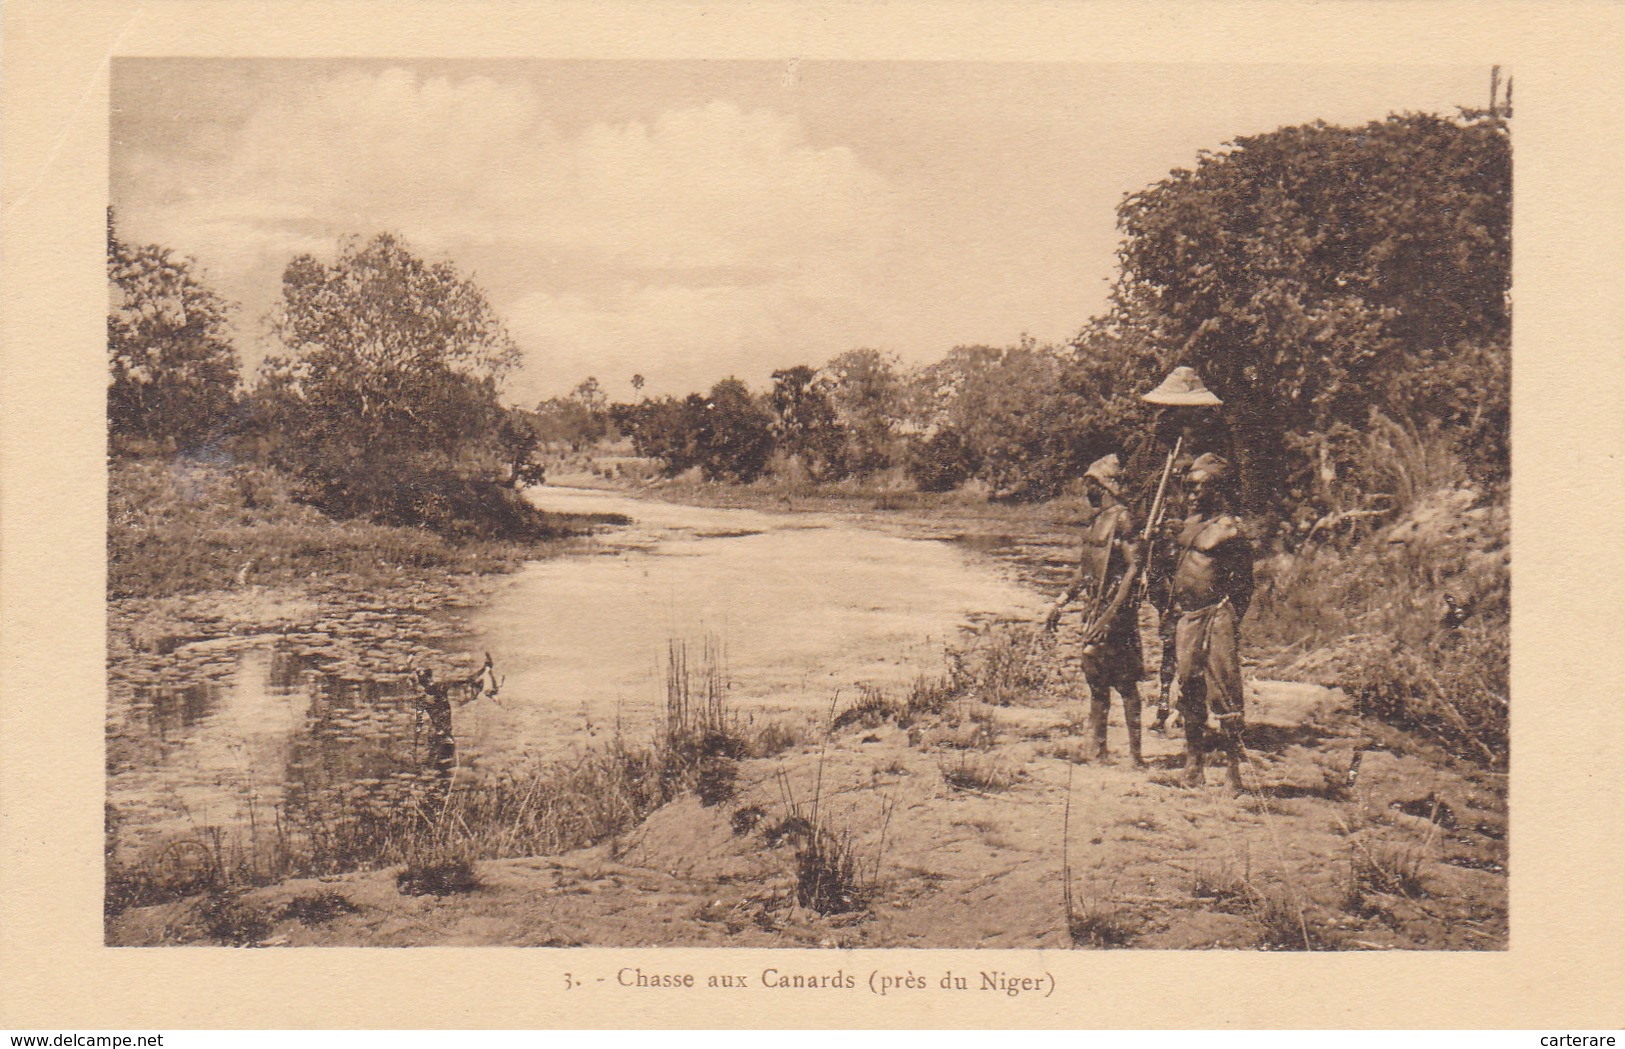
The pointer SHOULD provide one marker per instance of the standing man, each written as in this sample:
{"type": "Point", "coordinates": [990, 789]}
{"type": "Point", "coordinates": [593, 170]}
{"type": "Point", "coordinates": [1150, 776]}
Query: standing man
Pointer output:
{"type": "Point", "coordinates": [1211, 585]}
{"type": "Point", "coordinates": [1108, 570]}
{"type": "Point", "coordinates": [1187, 425]}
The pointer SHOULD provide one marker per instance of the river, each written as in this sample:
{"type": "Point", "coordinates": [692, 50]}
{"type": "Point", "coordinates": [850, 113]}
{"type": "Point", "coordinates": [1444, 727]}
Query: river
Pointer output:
{"type": "Point", "coordinates": [797, 607]}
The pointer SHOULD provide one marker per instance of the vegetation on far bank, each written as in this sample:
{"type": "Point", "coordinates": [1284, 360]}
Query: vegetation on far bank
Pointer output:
{"type": "Point", "coordinates": [1321, 307]}
{"type": "Point", "coordinates": [181, 526]}
{"type": "Point", "coordinates": [380, 403]}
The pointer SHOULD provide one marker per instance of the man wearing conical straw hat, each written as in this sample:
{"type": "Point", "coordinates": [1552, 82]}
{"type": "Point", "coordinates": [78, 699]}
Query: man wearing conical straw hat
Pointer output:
{"type": "Point", "coordinates": [1211, 585]}
{"type": "Point", "coordinates": [1188, 425]}
{"type": "Point", "coordinates": [1108, 570]}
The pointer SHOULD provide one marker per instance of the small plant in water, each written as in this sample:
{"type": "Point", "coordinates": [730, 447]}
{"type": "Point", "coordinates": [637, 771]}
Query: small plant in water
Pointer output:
{"type": "Point", "coordinates": [702, 745]}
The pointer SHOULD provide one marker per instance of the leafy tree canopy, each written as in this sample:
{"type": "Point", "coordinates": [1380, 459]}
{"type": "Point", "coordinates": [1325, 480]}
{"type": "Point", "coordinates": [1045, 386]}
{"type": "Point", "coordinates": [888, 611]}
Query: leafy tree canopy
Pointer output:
{"type": "Point", "coordinates": [735, 435]}
{"type": "Point", "coordinates": [173, 368]}
{"type": "Point", "coordinates": [805, 424]}
{"type": "Point", "coordinates": [869, 397]}
{"type": "Point", "coordinates": [389, 379]}
{"type": "Point", "coordinates": [1315, 272]}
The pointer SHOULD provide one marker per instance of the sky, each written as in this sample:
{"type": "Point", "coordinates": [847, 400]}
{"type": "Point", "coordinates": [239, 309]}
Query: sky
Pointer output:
{"type": "Point", "coordinates": [692, 220]}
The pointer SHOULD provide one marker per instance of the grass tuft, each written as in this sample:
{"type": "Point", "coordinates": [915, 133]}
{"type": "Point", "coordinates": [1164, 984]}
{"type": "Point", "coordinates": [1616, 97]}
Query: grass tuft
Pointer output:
{"type": "Point", "coordinates": [872, 710]}
{"type": "Point", "coordinates": [978, 773]}
{"type": "Point", "coordinates": [1394, 870]}
{"type": "Point", "coordinates": [1099, 927]}
{"type": "Point", "coordinates": [318, 908]}
{"type": "Point", "coordinates": [438, 876]}
{"type": "Point", "coordinates": [226, 918]}
{"type": "Point", "coordinates": [827, 873]}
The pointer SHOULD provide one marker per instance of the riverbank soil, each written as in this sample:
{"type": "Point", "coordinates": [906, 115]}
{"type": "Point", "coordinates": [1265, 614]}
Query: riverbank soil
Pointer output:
{"type": "Point", "coordinates": [958, 829]}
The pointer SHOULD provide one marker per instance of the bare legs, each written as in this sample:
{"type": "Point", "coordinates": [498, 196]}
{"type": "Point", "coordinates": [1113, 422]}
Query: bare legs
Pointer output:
{"type": "Point", "coordinates": [1100, 699]}
{"type": "Point", "coordinates": [1193, 709]}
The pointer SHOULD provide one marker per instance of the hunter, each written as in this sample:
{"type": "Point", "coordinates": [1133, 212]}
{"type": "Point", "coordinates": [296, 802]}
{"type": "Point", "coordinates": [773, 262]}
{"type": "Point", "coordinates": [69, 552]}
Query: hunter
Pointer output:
{"type": "Point", "coordinates": [1188, 424]}
{"type": "Point", "coordinates": [1108, 570]}
{"type": "Point", "coordinates": [1210, 587]}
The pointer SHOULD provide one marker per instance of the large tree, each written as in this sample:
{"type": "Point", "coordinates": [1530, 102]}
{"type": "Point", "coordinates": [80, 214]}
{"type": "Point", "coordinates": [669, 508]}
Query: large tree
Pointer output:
{"type": "Point", "coordinates": [173, 368]}
{"type": "Point", "coordinates": [665, 428]}
{"type": "Point", "coordinates": [1007, 414]}
{"type": "Point", "coordinates": [804, 421]}
{"type": "Point", "coordinates": [387, 389]}
{"type": "Point", "coordinates": [870, 399]}
{"type": "Point", "coordinates": [735, 434]}
{"type": "Point", "coordinates": [580, 420]}
{"type": "Point", "coordinates": [518, 443]}
{"type": "Point", "coordinates": [1315, 273]}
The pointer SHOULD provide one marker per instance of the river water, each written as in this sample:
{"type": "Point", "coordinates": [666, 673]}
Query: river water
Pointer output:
{"type": "Point", "coordinates": [797, 607]}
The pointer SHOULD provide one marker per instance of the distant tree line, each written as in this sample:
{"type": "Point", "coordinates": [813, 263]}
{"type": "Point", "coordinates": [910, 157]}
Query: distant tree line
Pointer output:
{"type": "Point", "coordinates": [1328, 282]}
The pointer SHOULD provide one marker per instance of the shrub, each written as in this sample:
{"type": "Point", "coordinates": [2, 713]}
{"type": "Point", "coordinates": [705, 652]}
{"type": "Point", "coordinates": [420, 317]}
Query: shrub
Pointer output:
{"type": "Point", "coordinates": [1372, 619]}
{"type": "Point", "coordinates": [943, 462]}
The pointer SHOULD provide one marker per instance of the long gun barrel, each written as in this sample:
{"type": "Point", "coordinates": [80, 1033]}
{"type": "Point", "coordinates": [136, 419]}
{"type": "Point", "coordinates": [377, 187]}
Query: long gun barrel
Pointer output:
{"type": "Point", "coordinates": [1153, 521]}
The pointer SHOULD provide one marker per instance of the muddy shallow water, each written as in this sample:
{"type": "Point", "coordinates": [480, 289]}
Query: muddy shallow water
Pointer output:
{"type": "Point", "coordinates": [220, 732]}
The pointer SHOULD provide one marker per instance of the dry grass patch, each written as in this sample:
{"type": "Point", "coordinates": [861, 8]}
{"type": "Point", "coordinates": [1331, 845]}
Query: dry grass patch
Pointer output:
{"type": "Point", "coordinates": [978, 773]}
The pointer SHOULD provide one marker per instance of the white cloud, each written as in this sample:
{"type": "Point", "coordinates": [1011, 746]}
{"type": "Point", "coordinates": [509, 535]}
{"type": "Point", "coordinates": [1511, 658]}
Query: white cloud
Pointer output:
{"type": "Point", "coordinates": [701, 233]}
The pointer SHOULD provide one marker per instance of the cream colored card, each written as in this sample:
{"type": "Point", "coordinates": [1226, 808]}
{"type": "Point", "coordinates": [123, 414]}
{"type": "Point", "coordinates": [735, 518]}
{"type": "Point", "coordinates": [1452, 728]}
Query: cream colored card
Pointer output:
{"type": "Point", "coordinates": [1563, 967]}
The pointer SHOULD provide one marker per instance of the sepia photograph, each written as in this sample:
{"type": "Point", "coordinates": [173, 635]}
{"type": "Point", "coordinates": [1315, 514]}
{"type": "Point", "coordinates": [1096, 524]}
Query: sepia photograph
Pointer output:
{"type": "Point", "coordinates": [808, 504]}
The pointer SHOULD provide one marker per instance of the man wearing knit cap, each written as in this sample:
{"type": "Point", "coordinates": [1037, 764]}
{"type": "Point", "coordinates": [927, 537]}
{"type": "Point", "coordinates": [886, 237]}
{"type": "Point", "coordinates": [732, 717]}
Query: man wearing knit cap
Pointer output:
{"type": "Point", "coordinates": [1108, 570]}
{"type": "Point", "coordinates": [1188, 420]}
{"type": "Point", "coordinates": [1211, 585]}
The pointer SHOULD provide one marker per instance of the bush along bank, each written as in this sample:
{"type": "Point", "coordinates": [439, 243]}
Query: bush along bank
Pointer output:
{"type": "Point", "coordinates": [1412, 620]}
{"type": "Point", "coordinates": [184, 525]}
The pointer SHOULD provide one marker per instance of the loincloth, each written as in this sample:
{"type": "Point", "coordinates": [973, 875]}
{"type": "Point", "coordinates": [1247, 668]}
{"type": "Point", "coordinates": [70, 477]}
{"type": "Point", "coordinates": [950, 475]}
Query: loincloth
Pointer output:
{"type": "Point", "coordinates": [1206, 648]}
{"type": "Point", "coordinates": [1118, 656]}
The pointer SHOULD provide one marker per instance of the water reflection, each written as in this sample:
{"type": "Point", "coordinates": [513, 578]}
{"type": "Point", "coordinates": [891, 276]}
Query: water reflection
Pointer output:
{"type": "Point", "coordinates": [235, 732]}
{"type": "Point", "coordinates": [287, 671]}
{"type": "Point", "coordinates": [170, 710]}
{"type": "Point", "coordinates": [269, 733]}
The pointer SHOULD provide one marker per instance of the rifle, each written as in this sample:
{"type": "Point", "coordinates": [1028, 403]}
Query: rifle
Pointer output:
{"type": "Point", "coordinates": [1153, 521]}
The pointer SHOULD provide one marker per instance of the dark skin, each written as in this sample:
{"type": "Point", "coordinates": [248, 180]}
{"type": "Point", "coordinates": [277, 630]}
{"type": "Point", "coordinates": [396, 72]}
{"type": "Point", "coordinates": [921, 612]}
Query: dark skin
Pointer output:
{"type": "Point", "coordinates": [436, 703]}
{"type": "Point", "coordinates": [1204, 576]}
{"type": "Point", "coordinates": [1107, 671]}
{"type": "Point", "coordinates": [1215, 562]}
{"type": "Point", "coordinates": [1096, 632]}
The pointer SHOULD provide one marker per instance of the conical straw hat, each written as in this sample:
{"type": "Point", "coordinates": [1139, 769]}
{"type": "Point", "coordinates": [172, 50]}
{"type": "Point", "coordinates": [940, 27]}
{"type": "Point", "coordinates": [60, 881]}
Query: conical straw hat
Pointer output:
{"type": "Point", "coordinates": [1182, 387]}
